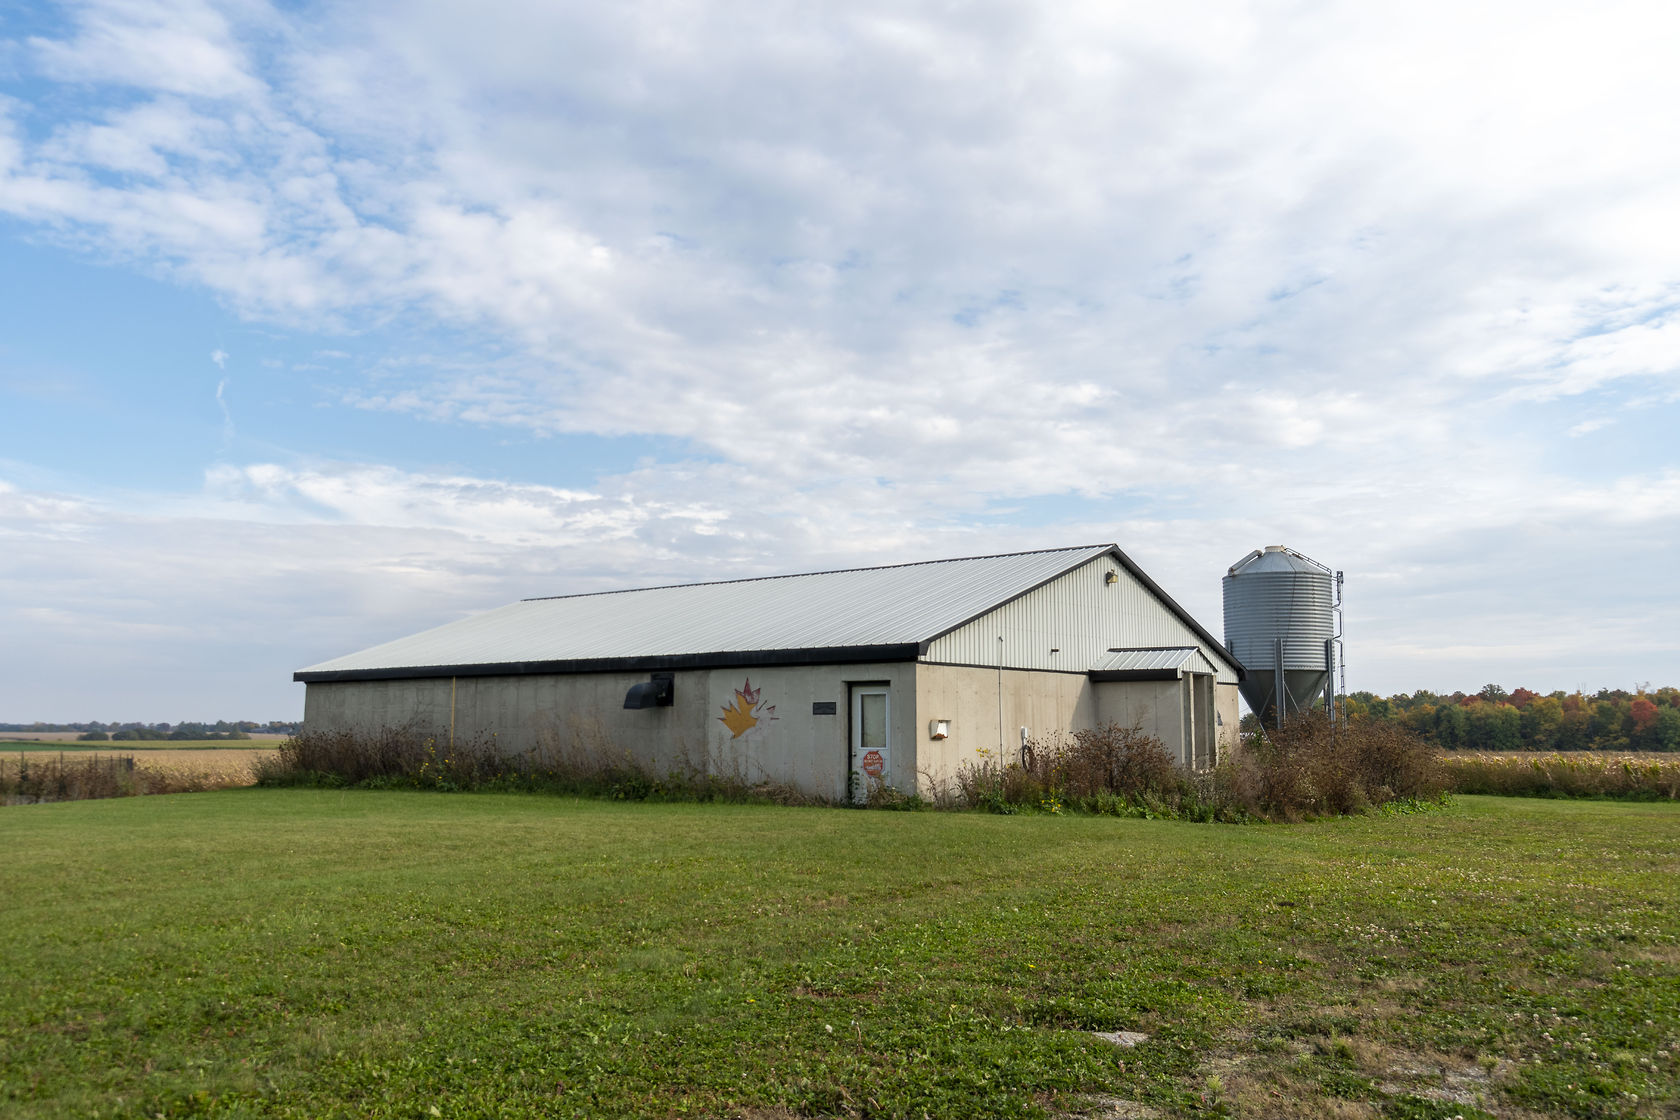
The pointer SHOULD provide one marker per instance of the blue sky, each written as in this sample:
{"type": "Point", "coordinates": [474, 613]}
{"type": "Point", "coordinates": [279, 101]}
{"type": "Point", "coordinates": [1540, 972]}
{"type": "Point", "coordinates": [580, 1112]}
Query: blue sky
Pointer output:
{"type": "Point", "coordinates": [319, 325]}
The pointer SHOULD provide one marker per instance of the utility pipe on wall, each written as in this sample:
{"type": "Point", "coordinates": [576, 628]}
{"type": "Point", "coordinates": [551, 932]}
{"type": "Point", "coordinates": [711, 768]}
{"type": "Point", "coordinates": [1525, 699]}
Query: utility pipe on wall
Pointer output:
{"type": "Point", "coordinates": [1000, 699]}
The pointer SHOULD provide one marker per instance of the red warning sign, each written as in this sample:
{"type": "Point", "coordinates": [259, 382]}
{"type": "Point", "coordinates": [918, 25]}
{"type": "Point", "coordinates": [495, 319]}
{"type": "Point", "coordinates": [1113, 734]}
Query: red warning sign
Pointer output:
{"type": "Point", "coordinates": [873, 763]}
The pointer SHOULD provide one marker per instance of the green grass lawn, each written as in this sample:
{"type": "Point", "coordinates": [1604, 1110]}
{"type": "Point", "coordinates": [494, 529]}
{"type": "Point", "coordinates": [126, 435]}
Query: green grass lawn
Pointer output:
{"type": "Point", "coordinates": [309, 953]}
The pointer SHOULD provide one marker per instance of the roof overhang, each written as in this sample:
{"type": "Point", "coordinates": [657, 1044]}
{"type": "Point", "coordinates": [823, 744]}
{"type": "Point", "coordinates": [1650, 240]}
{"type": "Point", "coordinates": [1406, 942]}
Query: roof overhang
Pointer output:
{"type": "Point", "coordinates": [1151, 663]}
{"type": "Point", "coordinates": [747, 659]}
{"type": "Point", "coordinates": [1104, 676]}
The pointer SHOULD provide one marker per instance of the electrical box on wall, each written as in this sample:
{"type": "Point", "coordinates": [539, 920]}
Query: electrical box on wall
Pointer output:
{"type": "Point", "coordinates": [939, 729]}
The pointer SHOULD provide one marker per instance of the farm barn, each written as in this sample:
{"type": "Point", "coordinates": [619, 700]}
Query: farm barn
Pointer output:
{"type": "Point", "coordinates": [823, 681]}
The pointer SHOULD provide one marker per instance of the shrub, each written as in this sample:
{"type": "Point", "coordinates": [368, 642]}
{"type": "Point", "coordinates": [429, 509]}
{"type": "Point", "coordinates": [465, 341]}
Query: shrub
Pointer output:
{"type": "Point", "coordinates": [1308, 769]}
{"type": "Point", "coordinates": [1311, 767]}
{"type": "Point", "coordinates": [26, 781]}
{"type": "Point", "coordinates": [577, 758]}
{"type": "Point", "coordinates": [1109, 770]}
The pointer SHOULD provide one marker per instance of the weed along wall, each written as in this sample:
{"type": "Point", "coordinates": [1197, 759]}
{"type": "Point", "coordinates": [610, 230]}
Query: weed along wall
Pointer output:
{"type": "Point", "coordinates": [996, 705]}
{"type": "Point", "coordinates": [987, 709]}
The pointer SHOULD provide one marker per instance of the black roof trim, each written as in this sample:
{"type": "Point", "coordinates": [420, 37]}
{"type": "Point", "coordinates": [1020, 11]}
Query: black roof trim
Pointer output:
{"type": "Point", "coordinates": [749, 659]}
{"type": "Point", "coordinates": [1101, 676]}
{"type": "Point", "coordinates": [992, 668]}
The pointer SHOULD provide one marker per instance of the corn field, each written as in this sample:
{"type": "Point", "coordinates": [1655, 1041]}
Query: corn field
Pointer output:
{"type": "Point", "coordinates": [1580, 774]}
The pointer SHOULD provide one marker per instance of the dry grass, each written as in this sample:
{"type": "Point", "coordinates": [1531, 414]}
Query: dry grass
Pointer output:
{"type": "Point", "coordinates": [256, 737]}
{"type": "Point", "coordinates": [1633, 776]}
{"type": "Point", "coordinates": [1307, 769]}
{"type": "Point", "coordinates": [576, 756]}
{"type": "Point", "coordinates": [224, 768]}
{"type": "Point", "coordinates": [1312, 767]}
{"type": "Point", "coordinates": [36, 776]}
{"type": "Point", "coordinates": [1103, 769]}
{"type": "Point", "coordinates": [1636, 756]}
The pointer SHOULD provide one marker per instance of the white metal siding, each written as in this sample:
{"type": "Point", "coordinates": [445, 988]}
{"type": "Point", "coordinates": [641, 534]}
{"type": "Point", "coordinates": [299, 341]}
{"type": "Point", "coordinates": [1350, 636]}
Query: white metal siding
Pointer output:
{"type": "Point", "coordinates": [1079, 616]}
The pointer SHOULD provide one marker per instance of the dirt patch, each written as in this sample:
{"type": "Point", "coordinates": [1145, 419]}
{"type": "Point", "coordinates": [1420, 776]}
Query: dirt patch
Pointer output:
{"type": "Point", "coordinates": [1108, 1108]}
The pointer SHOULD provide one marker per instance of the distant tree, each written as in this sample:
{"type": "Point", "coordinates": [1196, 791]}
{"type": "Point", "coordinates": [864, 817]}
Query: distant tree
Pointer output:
{"type": "Point", "coordinates": [93, 737]}
{"type": "Point", "coordinates": [1493, 694]}
{"type": "Point", "coordinates": [1452, 727]}
{"type": "Point", "coordinates": [1607, 727]}
{"type": "Point", "coordinates": [1542, 723]}
{"type": "Point", "coordinates": [1521, 698]}
{"type": "Point", "coordinates": [1575, 730]}
{"type": "Point", "coordinates": [1502, 726]}
{"type": "Point", "coordinates": [1664, 734]}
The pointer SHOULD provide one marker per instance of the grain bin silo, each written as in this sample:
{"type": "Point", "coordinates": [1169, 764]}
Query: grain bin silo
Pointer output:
{"type": "Point", "coordinates": [1280, 622]}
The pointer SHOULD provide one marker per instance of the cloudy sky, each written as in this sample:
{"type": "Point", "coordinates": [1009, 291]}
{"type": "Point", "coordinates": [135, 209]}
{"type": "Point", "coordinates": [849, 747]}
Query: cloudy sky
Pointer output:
{"type": "Point", "coordinates": [320, 324]}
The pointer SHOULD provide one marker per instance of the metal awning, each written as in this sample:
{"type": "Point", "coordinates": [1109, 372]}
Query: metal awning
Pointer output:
{"type": "Point", "coordinates": [1154, 663]}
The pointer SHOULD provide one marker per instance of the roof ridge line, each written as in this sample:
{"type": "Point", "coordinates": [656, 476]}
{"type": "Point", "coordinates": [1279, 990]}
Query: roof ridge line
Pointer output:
{"type": "Point", "coordinates": [826, 572]}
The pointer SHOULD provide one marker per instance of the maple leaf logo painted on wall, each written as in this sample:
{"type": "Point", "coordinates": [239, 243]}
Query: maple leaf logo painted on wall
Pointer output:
{"type": "Point", "coordinates": [748, 714]}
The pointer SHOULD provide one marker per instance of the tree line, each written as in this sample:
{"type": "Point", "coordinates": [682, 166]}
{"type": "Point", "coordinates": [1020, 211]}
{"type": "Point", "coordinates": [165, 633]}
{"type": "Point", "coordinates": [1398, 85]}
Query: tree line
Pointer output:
{"type": "Point", "coordinates": [1493, 719]}
{"type": "Point", "coordinates": [182, 733]}
{"type": "Point", "coordinates": [193, 729]}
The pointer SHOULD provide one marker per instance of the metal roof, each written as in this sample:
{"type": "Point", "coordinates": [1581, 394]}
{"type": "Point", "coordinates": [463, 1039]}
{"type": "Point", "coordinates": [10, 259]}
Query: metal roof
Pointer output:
{"type": "Point", "coordinates": [1169, 658]}
{"type": "Point", "coordinates": [885, 613]}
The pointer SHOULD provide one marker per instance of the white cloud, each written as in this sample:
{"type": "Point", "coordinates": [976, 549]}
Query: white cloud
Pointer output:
{"type": "Point", "coordinates": [878, 271]}
{"type": "Point", "coordinates": [274, 566]}
{"type": "Point", "coordinates": [177, 46]}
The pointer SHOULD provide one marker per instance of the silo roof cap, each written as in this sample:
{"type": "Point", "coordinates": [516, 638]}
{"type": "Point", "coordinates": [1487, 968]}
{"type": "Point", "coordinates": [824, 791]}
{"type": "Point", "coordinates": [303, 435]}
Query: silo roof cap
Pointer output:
{"type": "Point", "coordinates": [1276, 558]}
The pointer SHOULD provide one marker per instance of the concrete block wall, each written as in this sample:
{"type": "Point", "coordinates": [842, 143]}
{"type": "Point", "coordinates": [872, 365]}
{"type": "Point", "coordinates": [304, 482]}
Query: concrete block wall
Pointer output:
{"type": "Point", "coordinates": [790, 745]}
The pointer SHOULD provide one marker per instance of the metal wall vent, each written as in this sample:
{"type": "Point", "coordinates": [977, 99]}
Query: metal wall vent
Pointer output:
{"type": "Point", "coordinates": [657, 692]}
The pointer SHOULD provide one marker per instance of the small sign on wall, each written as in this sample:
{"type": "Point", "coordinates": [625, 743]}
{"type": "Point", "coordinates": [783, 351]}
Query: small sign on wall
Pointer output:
{"type": "Point", "coordinates": [825, 708]}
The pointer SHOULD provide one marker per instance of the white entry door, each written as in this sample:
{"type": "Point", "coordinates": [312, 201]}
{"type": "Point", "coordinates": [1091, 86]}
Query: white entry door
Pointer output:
{"type": "Point", "coordinates": [871, 738]}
